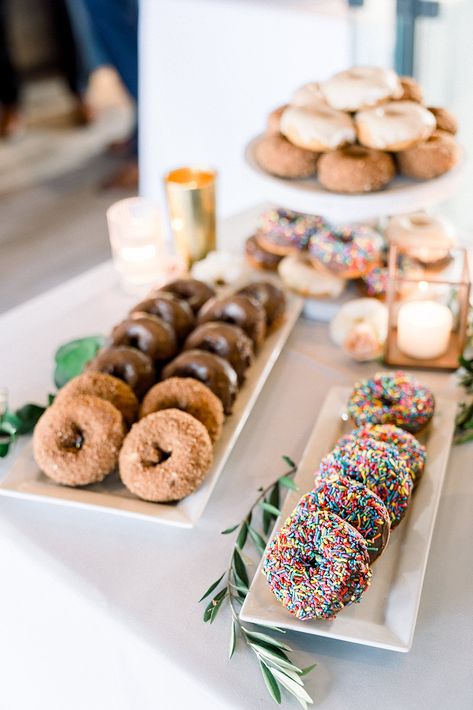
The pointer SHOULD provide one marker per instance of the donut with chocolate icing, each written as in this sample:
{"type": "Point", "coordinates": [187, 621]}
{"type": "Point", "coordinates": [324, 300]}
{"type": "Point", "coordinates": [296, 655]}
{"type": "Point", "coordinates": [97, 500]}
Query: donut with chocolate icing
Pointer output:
{"type": "Point", "coordinates": [150, 334]}
{"type": "Point", "coordinates": [226, 340]}
{"type": "Point", "coordinates": [128, 364]}
{"type": "Point", "coordinates": [76, 441]}
{"type": "Point", "coordinates": [215, 372]}
{"type": "Point", "coordinates": [260, 258]}
{"type": "Point", "coordinates": [239, 310]}
{"type": "Point", "coordinates": [193, 291]}
{"type": "Point", "coordinates": [271, 298]}
{"type": "Point", "coordinates": [176, 312]}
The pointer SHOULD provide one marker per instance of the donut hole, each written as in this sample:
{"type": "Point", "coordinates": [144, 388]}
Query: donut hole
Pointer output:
{"type": "Point", "coordinates": [73, 439]}
{"type": "Point", "coordinates": [420, 220]}
{"type": "Point", "coordinates": [156, 456]}
{"type": "Point", "coordinates": [356, 151]}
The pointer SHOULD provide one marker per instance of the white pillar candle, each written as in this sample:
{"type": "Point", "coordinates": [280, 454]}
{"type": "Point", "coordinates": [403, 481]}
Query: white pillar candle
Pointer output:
{"type": "Point", "coordinates": [423, 329]}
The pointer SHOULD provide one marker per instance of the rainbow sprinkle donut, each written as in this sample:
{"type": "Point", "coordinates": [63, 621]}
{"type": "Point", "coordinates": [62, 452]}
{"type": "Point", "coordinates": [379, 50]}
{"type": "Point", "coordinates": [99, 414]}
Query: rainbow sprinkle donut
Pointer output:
{"type": "Point", "coordinates": [378, 466]}
{"type": "Point", "coordinates": [392, 398]}
{"type": "Point", "coordinates": [409, 449]}
{"type": "Point", "coordinates": [317, 564]}
{"type": "Point", "coordinates": [349, 251]}
{"type": "Point", "coordinates": [376, 281]}
{"type": "Point", "coordinates": [356, 504]}
{"type": "Point", "coordinates": [283, 232]}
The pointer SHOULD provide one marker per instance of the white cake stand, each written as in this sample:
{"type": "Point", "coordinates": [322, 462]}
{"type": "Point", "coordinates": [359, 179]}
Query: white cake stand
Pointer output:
{"type": "Point", "coordinates": [401, 195]}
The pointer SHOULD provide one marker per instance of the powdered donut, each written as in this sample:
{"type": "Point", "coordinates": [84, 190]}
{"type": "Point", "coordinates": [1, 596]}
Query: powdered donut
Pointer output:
{"type": "Point", "coordinates": [284, 232]}
{"type": "Point", "coordinates": [187, 395]}
{"type": "Point", "coordinates": [316, 564]}
{"type": "Point", "coordinates": [360, 87]}
{"type": "Point", "coordinates": [225, 340]}
{"type": "Point", "coordinates": [394, 126]}
{"type": "Point", "coordinates": [354, 502]}
{"type": "Point", "coordinates": [412, 90]}
{"type": "Point", "coordinates": [446, 121]}
{"type": "Point", "coordinates": [105, 387]}
{"type": "Point", "coordinates": [307, 279]}
{"type": "Point", "coordinates": [355, 169]}
{"type": "Point", "coordinates": [220, 268]}
{"type": "Point", "coordinates": [174, 311]}
{"type": "Point", "coordinates": [274, 120]}
{"type": "Point", "coordinates": [318, 128]}
{"type": "Point", "coordinates": [260, 258]}
{"type": "Point", "coordinates": [127, 364]}
{"type": "Point", "coordinates": [76, 441]}
{"type": "Point", "coordinates": [166, 456]}
{"type": "Point", "coordinates": [150, 334]}
{"type": "Point", "coordinates": [193, 291]}
{"type": "Point", "coordinates": [436, 156]}
{"type": "Point", "coordinates": [271, 298]}
{"type": "Point", "coordinates": [349, 251]}
{"type": "Point", "coordinates": [278, 156]}
{"type": "Point", "coordinates": [239, 310]}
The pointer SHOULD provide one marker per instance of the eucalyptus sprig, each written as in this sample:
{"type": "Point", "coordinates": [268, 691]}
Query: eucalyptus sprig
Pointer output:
{"type": "Point", "coordinates": [276, 667]}
{"type": "Point", "coordinates": [464, 418]}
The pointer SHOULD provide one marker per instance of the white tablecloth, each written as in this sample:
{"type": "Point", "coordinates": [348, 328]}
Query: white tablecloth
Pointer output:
{"type": "Point", "coordinates": [101, 612]}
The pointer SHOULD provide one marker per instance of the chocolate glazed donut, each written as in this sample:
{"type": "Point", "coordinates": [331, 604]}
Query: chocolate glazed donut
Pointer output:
{"type": "Point", "coordinates": [212, 370]}
{"type": "Point", "coordinates": [128, 364]}
{"type": "Point", "coordinates": [239, 310]}
{"type": "Point", "coordinates": [150, 334]}
{"type": "Point", "coordinates": [227, 341]}
{"type": "Point", "coordinates": [177, 313]}
{"type": "Point", "coordinates": [271, 298]}
{"type": "Point", "coordinates": [193, 291]}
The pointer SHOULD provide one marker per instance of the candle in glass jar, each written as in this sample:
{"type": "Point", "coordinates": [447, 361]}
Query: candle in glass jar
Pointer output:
{"type": "Point", "coordinates": [423, 329]}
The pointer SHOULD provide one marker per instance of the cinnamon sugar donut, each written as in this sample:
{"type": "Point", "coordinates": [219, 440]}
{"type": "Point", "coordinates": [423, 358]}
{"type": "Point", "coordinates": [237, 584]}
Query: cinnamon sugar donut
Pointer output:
{"type": "Point", "coordinates": [149, 334]}
{"type": "Point", "coordinates": [318, 128]}
{"type": "Point", "coordinates": [76, 441]}
{"type": "Point", "coordinates": [278, 156]}
{"type": "Point", "coordinates": [274, 120]}
{"type": "Point", "coordinates": [240, 310]}
{"type": "Point", "coordinates": [395, 126]}
{"type": "Point", "coordinates": [127, 364]}
{"type": "Point", "coordinates": [225, 340]}
{"type": "Point", "coordinates": [174, 311]}
{"type": "Point", "coordinates": [260, 258]}
{"type": "Point", "coordinates": [166, 456]}
{"type": "Point", "coordinates": [446, 121]}
{"type": "Point", "coordinates": [356, 169]}
{"type": "Point", "coordinates": [411, 89]}
{"type": "Point", "coordinates": [436, 156]}
{"type": "Point", "coordinates": [105, 387]}
{"type": "Point", "coordinates": [193, 291]}
{"type": "Point", "coordinates": [271, 298]}
{"type": "Point", "coordinates": [187, 395]}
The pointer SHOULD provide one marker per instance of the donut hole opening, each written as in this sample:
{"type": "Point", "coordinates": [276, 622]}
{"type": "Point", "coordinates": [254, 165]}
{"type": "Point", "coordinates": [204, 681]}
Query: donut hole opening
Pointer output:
{"type": "Point", "coordinates": [134, 342]}
{"type": "Point", "coordinates": [74, 439]}
{"type": "Point", "coordinates": [156, 456]}
{"type": "Point", "coordinates": [356, 151]}
{"type": "Point", "coordinates": [420, 220]}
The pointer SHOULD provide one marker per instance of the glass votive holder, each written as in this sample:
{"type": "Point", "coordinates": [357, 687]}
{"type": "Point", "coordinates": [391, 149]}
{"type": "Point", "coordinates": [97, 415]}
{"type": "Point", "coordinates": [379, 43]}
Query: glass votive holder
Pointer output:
{"type": "Point", "coordinates": [138, 245]}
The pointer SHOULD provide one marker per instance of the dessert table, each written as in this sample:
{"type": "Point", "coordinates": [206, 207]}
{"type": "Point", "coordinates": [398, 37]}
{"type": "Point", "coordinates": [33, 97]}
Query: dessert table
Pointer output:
{"type": "Point", "coordinates": [101, 611]}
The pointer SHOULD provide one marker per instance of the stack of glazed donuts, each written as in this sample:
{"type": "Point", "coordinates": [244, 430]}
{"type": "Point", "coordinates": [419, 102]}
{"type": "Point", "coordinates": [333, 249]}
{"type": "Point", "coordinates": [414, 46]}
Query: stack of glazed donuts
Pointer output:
{"type": "Point", "coordinates": [356, 130]}
{"type": "Point", "coordinates": [175, 364]}
{"type": "Point", "coordinates": [320, 560]}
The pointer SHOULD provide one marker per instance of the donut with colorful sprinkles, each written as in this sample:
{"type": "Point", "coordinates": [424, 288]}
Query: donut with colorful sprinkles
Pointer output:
{"type": "Point", "coordinates": [356, 504]}
{"type": "Point", "coordinates": [317, 564]}
{"type": "Point", "coordinates": [392, 398]}
{"type": "Point", "coordinates": [349, 252]}
{"type": "Point", "coordinates": [283, 232]}
{"type": "Point", "coordinates": [377, 465]}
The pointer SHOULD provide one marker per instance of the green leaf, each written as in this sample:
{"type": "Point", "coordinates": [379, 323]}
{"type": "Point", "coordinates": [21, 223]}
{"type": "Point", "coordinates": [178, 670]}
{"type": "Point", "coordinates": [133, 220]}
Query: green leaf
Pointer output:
{"type": "Point", "coordinates": [4, 448]}
{"type": "Point", "coordinates": [289, 461]}
{"type": "Point", "coordinates": [233, 635]}
{"type": "Point", "coordinates": [308, 669]}
{"type": "Point", "coordinates": [267, 518]}
{"type": "Point", "coordinates": [7, 428]}
{"type": "Point", "coordinates": [72, 357]}
{"type": "Point", "coordinates": [257, 539]}
{"type": "Point", "coordinates": [270, 508]}
{"type": "Point", "coordinates": [212, 608]}
{"type": "Point", "coordinates": [294, 688]}
{"type": "Point", "coordinates": [230, 530]}
{"type": "Point", "coordinates": [51, 398]}
{"type": "Point", "coordinates": [273, 655]}
{"type": "Point", "coordinates": [288, 483]}
{"type": "Point", "coordinates": [242, 535]}
{"type": "Point", "coordinates": [213, 586]}
{"type": "Point", "coordinates": [28, 416]}
{"type": "Point", "coordinates": [258, 636]}
{"type": "Point", "coordinates": [271, 682]}
{"type": "Point", "coordinates": [239, 567]}
{"type": "Point", "coordinates": [274, 496]}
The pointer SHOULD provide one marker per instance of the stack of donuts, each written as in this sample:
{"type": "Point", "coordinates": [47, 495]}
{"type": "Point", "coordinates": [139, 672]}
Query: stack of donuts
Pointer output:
{"type": "Point", "coordinates": [356, 130]}
{"type": "Point", "coordinates": [320, 560]}
{"type": "Point", "coordinates": [175, 364]}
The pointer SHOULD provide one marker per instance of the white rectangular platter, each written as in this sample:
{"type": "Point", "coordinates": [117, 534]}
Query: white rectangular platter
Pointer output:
{"type": "Point", "coordinates": [387, 613]}
{"type": "Point", "coordinates": [25, 480]}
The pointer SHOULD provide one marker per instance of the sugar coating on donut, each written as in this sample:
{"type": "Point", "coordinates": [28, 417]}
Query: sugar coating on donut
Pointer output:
{"type": "Point", "coordinates": [318, 128]}
{"type": "Point", "coordinates": [106, 387]}
{"type": "Point", "coordinates": [316, 564]}
{"type": "Point", "coordinates": [165, 456]}
{"type": "Point", "coordinates": [76, 441]}
{"type": "Point", "coordinates": [349, 251]}
{"type": "Point", "coordinates": [445, 119]}
{"type": "Point", "coordinates": [278, 156]}
{"type": "Point", "coordinates": [412, 91]}
{"type": "Point", "coordinates": [274, 120]}
{"type": "Point", "coordinates": [283, 231]}
{"type": "Point", "coordinates": [376, 465]}
{"type": "Point", "coordinates": [435, 156]}
{"type": "Point", "coordinates": [356, 504]}
{"type": "Point", "coordinates": [360, 87]}
{"type": "Point", "coordinates": [392, 398]}
{"type": "Point", "coordinates": [187, 395]}
{"type": "Point", "coordinates": [308, 279]}
{"type": "Point", "coordinates": [355, 169]}
{"type": "Point", "coordinates": [394, 126]}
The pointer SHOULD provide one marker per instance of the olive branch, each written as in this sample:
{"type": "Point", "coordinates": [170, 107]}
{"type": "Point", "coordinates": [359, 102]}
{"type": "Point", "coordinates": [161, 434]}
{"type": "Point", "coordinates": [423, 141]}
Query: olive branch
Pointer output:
{"type": "Point", "coordinates": [276, 667]}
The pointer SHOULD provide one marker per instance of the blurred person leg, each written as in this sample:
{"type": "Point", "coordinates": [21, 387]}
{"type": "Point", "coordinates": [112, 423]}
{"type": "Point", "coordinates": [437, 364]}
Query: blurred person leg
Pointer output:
{"type": "Point", "coordinates": [115, 23]}
{"type": "Point", "coordinates": [10, 122]}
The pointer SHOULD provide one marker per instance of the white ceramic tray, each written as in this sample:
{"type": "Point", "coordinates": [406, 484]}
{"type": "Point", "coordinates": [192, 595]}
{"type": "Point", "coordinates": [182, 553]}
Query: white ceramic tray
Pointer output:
{"type": "Point", "coordinates": [401, 195]}
{"type": "Point", "coordinates": [387, 613]}
{"type": "Point", "coordinates": [25, 480]}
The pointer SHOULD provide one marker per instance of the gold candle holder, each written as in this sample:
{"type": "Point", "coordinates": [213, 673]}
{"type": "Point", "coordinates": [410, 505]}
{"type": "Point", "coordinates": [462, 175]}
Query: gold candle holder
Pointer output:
{"type": "Point", "coordinates": [191, 203]}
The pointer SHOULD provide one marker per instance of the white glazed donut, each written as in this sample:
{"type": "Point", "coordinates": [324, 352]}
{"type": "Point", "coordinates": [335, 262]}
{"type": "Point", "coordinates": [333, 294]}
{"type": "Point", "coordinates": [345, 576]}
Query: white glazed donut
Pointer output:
{"type": "Point", "coordinates": [360, 327]}
{"type": "Point", "coordinates": [300, 275]}
{"type": "Point", "coordinates": [424, 237]}
{"type": "Point", "coordinates": [318, 128]}
{"type": "Point", "coordinates": [308, 95]}
{"type": "Point", "coordinates": [394, 126]}
{"type": "Point", "coordinates": [220, 268]}
{"type": "Point", "coordinates": [361, 87]}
